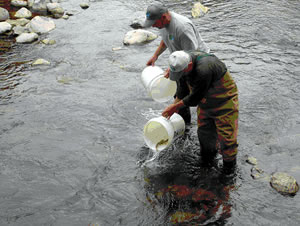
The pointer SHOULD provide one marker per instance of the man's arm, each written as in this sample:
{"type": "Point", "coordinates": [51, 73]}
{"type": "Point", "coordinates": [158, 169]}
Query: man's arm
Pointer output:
{"type": "Point", "coordinates": [160, 49]}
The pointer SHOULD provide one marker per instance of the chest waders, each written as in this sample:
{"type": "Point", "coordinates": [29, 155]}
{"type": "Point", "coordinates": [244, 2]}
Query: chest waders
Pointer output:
{"type": "Point", "coordinates": [218, 120]}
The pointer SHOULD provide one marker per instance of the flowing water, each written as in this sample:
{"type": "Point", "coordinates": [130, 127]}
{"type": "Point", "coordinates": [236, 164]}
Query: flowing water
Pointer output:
{"type": "Point", "coordinates": [71, 142]}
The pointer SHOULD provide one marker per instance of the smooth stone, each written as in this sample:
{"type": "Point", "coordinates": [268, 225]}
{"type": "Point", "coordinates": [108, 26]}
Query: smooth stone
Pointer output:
{"type": "Point", "coordinates": [48, 41]}
{"type": "Point", "coordinates": [55, 9]}
{"type": "Point", "coordinates": [18, 3]}
{"type": "Point", "coordinates": [4, 15]}
{"type": "Point", "coordinates": [40, 62]}
{"type": "Point", "coordinates": [40, 24]}
{"type": "Point", "coordinates": [20, 22]}
{"type": "Point", "coordinates": [23, 13]}
{"type": "Point", "coordinates": [4, 27]}
{"type": "Point", "coordinates": [138, 36]}
{"type": "Point", "coordinates": [20, 29]}
{"type": "Point", "coordinates": [284, 183]}
{"type": "Point", "coordinates": [84, 5]}
{"type": "Point", "coordinates": [199, 10]}
{"type": "Point", "coordinates": [27, 37]}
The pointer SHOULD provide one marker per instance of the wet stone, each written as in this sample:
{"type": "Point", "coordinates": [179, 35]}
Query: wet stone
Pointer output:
{"type": "Point", "coordinates": [138, 36]}
{"type": "Point", "coordinates": [27, 37]}
{"type": "Point", "coordinates": [48, 41]}
{"type": "Point", "coordinates": [284, 183]}
{"type": "Point", "coordinates": [40, 62]}
{"type": "Point", "coordinates": [4, 27]}
{"type": "Point", "coordinates": [199, 10]}
{"type": "Point", "coordinates": [18, 3]}
{"type": "Point", "coordinates": [23, 13]}
{"type": "Point", "coordinates": [40, 24]}
{"type": "Point", "coordinates": [4, 15]}
{"type": "Point", "coordinates": [84, 5]}
{"type": "Point", "coordinates": [251, 160]}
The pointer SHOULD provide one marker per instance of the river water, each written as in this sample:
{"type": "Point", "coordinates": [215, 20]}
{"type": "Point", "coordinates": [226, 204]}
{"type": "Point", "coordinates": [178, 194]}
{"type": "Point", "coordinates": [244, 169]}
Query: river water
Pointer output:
{"type": "Point", "coordinates": [71, 142]}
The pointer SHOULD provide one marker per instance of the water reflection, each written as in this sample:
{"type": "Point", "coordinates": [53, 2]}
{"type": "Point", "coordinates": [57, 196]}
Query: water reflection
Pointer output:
{"type": "Point", "coordinates": [188, 193]}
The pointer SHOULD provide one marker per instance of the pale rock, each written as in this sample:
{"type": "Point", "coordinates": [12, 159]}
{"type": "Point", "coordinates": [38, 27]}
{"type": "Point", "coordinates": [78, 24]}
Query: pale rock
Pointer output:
{"type": "Point", "coordinates": [23, 13]}
{"type": "Point", "coordinates": [55, 9]}
{"type": "Point", "coordinates": [20, 29]}
{"type": "Point", "coordinates": [40, 62]}
{"type": "Point", "coordinates": [4, 15]}
{"type": "Point", "coordinates": [27, 37]}
{"type": "Point", "coordinates": [199, 10]}
{"type": "Point", "coordinates": [4, 27]}
{"type": "Point", "coordinates": [65, 17]}
{"type": "Point", "coordinates": [40, 24]}
{"type": "Point", "coordinates": [138, 36]}
{"type": "Point", "coordinates": [84, 5]}
{"type": "Point", "coordinates": [20, 22]}
{"type": "Point", "coordinates": [18, 3]}
{"type": "Point", "coordinates": [48, 41]}
{"type": "Point", "coordinates": [39, 5]}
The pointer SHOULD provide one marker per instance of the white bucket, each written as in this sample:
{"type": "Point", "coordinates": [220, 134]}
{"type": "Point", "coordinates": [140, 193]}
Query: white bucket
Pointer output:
{"type": "Point", "coordinates": [158, 87]}
{"type": "Point", "coordinates": [160, 132]}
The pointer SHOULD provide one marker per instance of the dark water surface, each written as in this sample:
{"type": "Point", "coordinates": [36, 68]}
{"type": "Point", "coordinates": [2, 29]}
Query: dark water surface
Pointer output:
{"type": "Point", "coordinates": [71, 138]}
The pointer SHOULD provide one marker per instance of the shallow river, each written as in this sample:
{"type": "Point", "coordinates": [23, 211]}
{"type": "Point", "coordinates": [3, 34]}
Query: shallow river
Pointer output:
{"type": "Point", "coordinates": [71, 142]}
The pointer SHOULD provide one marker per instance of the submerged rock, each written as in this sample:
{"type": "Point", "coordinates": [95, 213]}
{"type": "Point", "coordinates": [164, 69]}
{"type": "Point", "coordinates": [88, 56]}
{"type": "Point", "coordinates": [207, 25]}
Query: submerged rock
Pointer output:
{"type": "Point", "coordinates": [40, 62]}
{"type": "Point", "coordinates": [40, 24]}
{"type": "Point", "coordinates": [138, 36]}
{"type": "Point", "coordinates": [284, 183]}
{"type": "Point", "coordinates": [251, 160]}
{"type": "Point", "coordinates": [48, 41]}
{"type": "Point", "coordinates": [27, 37]}
{"type": "Point", "coordinates": [4, 15]}
{"type": "Point", "coordinates": [23, 13]}
{"type": "Point", "coordinates": [199, 10]}
{"type": "Point", "coordinates": [4, 27]}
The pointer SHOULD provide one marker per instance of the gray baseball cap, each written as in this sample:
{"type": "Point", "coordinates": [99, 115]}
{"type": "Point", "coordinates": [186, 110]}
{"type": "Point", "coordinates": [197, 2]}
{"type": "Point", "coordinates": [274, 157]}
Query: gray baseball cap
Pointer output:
{"type": "Point", "coordinates": [178, 61]}
{"type": "Point", "coordinates": [154, 12]}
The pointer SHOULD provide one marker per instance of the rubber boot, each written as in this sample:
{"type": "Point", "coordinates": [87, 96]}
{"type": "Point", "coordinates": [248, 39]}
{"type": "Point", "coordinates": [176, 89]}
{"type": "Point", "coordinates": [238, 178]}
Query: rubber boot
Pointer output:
{"type": "Point", "coordinates": [229, 167]}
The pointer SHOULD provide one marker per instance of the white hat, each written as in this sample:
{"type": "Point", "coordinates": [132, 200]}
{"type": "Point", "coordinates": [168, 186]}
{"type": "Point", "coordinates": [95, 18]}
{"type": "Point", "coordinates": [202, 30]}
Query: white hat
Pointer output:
{"type": "Point", "coordinates": [178, 61]}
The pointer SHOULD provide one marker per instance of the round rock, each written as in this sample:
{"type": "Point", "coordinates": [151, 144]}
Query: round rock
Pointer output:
{"type": "Point", "coordinates": [284, 183]}
{"type": "Point", "coordinates": [4, 15]}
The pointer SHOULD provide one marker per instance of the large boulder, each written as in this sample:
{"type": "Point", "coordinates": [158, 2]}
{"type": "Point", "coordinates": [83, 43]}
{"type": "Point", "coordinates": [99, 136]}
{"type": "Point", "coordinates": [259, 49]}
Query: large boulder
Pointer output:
{"type": "Point", "coordinates": [27, 37]}
{"type": "Point", "coordinates": [23, 13]}
{"type": "Point", "coordinates": [40, 24]}
{"type": "Point", "coordinates": [138, 36]}
{"type": "Point", "coordinates": [4, 27]}
{"type": "Point", "coordinates": [4, 15]}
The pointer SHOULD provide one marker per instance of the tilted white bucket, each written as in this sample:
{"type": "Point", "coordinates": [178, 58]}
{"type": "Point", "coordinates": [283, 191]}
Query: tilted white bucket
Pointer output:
{"type": "Point", "coordinates": [160, 132]}
{"type": "Point", "coordinates": [158, 87]}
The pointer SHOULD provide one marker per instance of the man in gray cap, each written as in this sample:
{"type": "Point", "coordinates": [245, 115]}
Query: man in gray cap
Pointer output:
{"type": "Point", "coordinates": [178, 33]}
{"type": "Point", "coordinates": [204, 81]}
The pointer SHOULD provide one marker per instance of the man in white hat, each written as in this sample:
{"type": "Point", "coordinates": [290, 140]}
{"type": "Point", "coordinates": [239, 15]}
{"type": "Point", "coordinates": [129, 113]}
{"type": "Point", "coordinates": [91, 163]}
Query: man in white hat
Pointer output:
{"type": "Point", "coordinates": [177, 32]}
{"type": "Point", "coordinates": [203, 81]}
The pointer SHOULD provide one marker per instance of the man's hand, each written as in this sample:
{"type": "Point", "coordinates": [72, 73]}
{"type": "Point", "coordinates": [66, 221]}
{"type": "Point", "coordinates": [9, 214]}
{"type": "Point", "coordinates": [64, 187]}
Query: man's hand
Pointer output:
{"type": "Point", "coordinates": [172, 108]}
{"type": "Point", "coordinates": [167, 73]}
{"type": "Point", "coordinates": [152, 60]}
